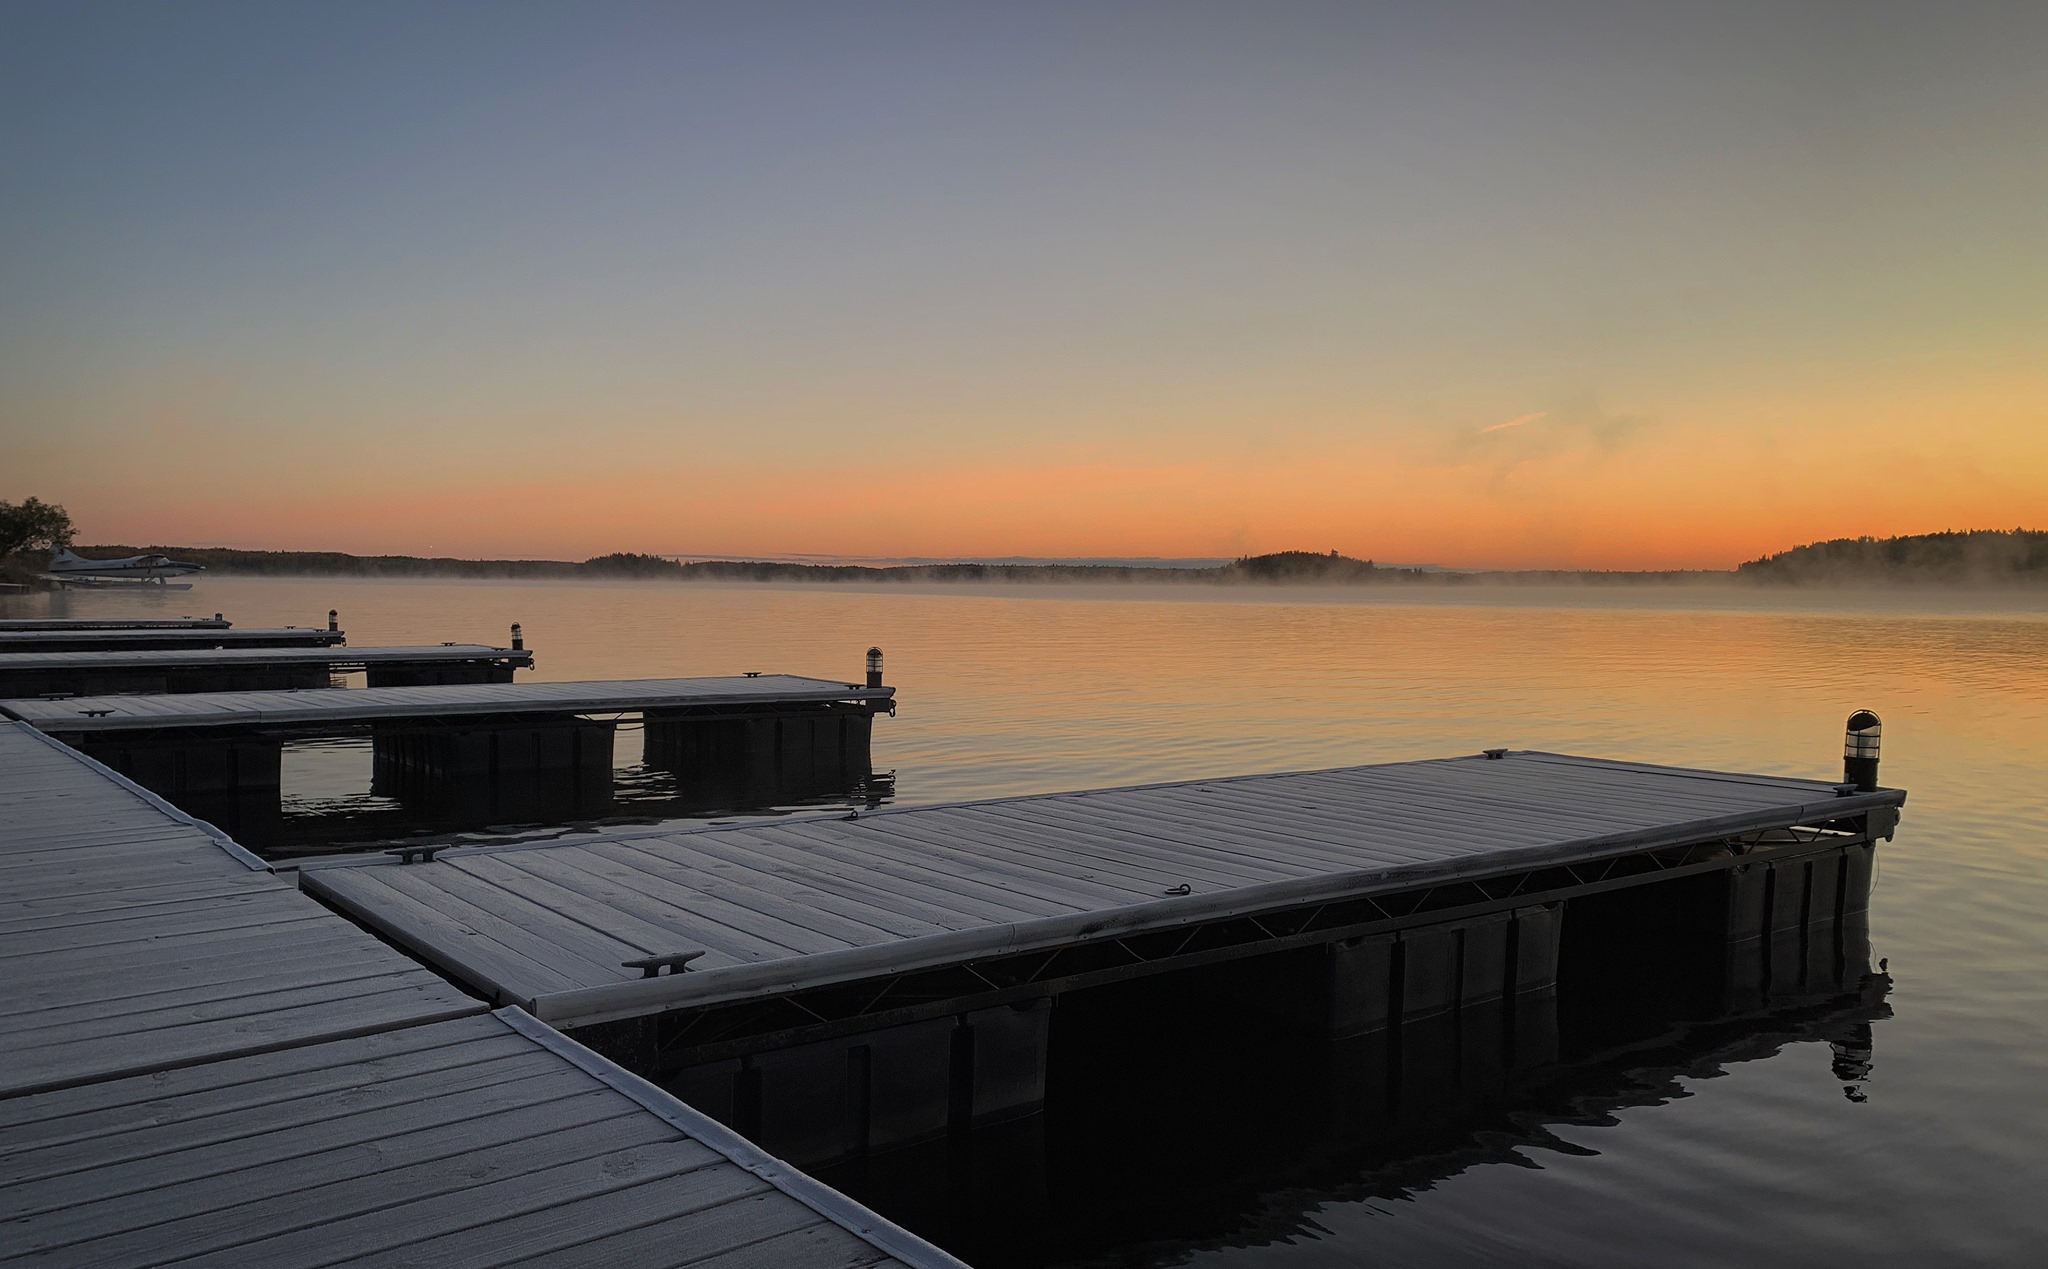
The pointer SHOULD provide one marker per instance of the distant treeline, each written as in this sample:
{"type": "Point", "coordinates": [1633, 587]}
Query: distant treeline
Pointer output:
{"type": "Point", "coordinates": [337, 564]}
{"type": "Point", "coordinates": [1985, 557]}
{"type": "Point", "coordinates": [1295, 568]}
{"type": "Point", "coordinates": [1978, 557]}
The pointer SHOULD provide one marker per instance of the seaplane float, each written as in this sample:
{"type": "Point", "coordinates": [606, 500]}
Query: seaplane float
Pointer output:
{"type": "Point", "coordinates": [68, 568]}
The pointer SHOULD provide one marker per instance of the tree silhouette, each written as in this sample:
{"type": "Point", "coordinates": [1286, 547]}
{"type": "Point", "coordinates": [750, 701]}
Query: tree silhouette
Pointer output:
{"type": "Point", "coordinates": [34, 525]}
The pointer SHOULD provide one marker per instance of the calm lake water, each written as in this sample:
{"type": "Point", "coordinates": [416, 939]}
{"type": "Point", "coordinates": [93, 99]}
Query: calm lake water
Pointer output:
{"type": "Point", "coordinates": [1905, 1124]}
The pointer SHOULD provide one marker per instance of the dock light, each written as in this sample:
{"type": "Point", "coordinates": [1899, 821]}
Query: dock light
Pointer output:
{"type": "Point", "coordinates": [874, 667]}
{"type": "Point", "coordinates": [1859, 751]}
{"type": "Point", "coordinates": [334, 619]}
{"type": "Point", "coordinates": [518, 638]}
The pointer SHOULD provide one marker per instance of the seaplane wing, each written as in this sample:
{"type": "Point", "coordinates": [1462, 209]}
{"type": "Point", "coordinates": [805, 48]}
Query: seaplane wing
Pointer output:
{"type": "Point", "coordinates": [66, 564]}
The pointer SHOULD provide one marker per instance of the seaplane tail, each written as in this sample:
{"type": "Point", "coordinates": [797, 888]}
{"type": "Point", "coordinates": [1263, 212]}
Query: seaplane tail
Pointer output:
{"type": "Point", "coordinates": [67, 565]}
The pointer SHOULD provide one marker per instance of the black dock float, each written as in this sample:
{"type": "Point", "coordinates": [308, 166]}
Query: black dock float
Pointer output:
{"type": "Point", "coordinates": [191, 670]}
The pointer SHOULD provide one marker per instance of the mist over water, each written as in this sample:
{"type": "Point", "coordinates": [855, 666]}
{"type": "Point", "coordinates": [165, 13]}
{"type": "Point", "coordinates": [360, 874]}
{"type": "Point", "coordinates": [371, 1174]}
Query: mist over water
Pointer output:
{"type": "Point", "coordinates": [1705, 1140]}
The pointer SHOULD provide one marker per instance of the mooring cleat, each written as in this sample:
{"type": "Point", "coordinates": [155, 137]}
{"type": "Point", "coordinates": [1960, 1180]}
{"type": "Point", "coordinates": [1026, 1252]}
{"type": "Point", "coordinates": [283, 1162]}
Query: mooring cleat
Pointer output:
{"type": "Point", "coordinates": [651, 966]}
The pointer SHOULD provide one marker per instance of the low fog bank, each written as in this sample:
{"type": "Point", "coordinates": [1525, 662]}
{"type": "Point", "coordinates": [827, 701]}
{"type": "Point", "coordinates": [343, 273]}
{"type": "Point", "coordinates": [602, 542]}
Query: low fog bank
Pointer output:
{"type": "Point", "coordinates": [1978, 560]}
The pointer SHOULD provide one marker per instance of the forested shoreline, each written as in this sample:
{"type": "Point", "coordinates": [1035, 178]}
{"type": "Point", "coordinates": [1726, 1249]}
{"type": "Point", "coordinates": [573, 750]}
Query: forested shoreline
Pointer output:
{"type": "Point", "coordinates": [2016, 557]}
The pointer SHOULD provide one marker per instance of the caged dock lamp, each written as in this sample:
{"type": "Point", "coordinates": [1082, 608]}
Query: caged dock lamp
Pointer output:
{"type": "Point", "coordinates": [874, 667]}
{"type": "Point", "coordinates": [1859, 750]}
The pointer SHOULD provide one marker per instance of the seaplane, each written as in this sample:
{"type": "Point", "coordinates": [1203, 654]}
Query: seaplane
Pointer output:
{"type": "Point", "coordinates": [72, 569]}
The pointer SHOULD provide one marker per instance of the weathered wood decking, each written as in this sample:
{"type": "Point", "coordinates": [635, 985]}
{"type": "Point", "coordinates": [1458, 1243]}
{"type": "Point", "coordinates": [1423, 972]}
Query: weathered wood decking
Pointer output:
{"type": "Point", "coordinates": [103, 714]}
{"type": "Point", "coordinates": [66, 640]}
{"type": "Point", "coordinates": [200, 1064]}
{"type": "Point", "coordinates": [24, 674]}
{"type": "Point", "coordinates": [808, 902]}
{"type": "Point", "coordinates": [481, 1141]}
{"type": "Point", "coordinates": [134, 938]}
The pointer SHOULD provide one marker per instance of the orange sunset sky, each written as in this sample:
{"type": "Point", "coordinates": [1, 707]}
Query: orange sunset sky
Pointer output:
{"type": "Point", "coordinates": [1477, 285]}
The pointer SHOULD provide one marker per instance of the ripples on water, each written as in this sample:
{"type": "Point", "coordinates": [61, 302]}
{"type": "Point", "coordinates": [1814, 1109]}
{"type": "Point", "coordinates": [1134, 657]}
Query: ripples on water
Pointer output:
{"type": "Point", "coordinates": [1704, 1140]}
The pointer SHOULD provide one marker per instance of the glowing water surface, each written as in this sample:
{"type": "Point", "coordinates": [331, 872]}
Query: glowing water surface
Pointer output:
{"type": "Point", "coordinates": [1722, 1143]}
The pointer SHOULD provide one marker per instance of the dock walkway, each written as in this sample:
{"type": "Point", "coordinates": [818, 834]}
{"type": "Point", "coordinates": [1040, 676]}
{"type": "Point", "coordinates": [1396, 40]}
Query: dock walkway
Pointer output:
{"type": "Point", "coordinates": [114, 623]}
{"type": "Point", "coordinates": [85, 673]}
{"type": "Point", "coordinates": [76, 640]}
{"type": "Point", "coordinates": [804, 903]}
{"type": "Point", "coordinates": [200, 710]}
{"type": "Point", "coordinates": [199, 1063]}
{"type": "Point", "coordinates": [481, 1141]}
{"type": "Point", "coordinates": [134, 938]}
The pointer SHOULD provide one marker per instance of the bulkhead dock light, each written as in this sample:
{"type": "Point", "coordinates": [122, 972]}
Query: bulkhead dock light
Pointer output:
{"type": "Point", "coordinates": [1859, 751]}
{"type": "Point", "coordinates": [874, 667]}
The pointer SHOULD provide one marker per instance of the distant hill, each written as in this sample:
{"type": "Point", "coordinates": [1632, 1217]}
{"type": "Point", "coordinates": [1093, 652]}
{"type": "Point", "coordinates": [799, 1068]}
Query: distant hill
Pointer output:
{"type": "Point", "coordinates": [1316, 569]}
{"type": "Point", "coordinates": [1978, 557]}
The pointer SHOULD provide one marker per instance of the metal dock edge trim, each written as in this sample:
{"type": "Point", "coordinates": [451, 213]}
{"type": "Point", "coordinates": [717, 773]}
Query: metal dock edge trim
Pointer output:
{"type": "Point", "coordinates": [633, 998]}
{"type": "Point", "coordinates": [228, 845]}
{"type": "Point", "coordinates": [820, 1198]}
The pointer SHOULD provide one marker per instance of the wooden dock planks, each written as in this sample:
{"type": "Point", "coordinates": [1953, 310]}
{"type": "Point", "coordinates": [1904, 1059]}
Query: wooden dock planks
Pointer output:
{"type": "Point", "coordinates": [464, 700]}
{"type": "Point", "coordinates": [809, 902]}
{"type": "Point", "coordinates": [133, 937]}
{"type": "Point", "coordinates": [481, 1141]}
{"type": "Point", "coordinates": [200, 1064]}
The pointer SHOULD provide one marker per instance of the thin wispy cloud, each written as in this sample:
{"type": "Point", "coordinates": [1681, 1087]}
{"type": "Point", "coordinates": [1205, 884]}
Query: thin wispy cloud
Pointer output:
{"type": "Point", "coordinates": [1518, 421]}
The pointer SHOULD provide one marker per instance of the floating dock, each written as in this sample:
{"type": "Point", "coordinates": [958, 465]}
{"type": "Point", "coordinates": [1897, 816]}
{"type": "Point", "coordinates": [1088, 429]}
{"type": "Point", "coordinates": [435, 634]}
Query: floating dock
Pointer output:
{"type": "Point", "coordinates": [187, 670]}
{"type": "Point", "coordinates": [16, 624]}
{"type": "Point", "coordinates": [201, 1062]}
{"type": "Point", "coordinates": [807, 953]}
{"type": "Point", "coordinates": [311, 712]}
{"type": "Point", "coordinates": [816, 901]}
{"type": "Point", "coordinates": [109, 640]}
{"type": "Point", "coordinates": [481, 753]}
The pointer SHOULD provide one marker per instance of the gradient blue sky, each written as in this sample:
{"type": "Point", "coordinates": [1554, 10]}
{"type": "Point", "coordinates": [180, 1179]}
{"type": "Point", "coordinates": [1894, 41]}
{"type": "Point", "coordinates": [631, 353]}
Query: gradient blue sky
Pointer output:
{"type": "Point", "coordinates": [1091, 279]}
